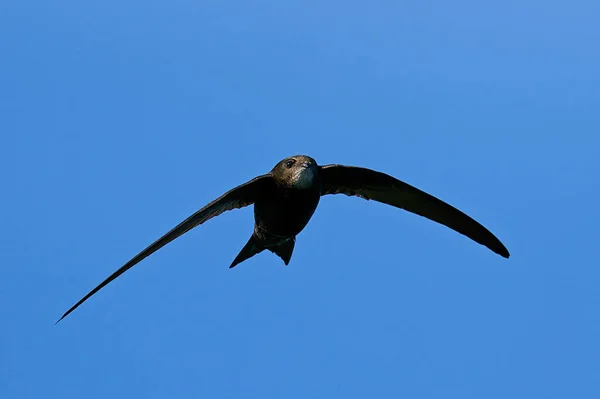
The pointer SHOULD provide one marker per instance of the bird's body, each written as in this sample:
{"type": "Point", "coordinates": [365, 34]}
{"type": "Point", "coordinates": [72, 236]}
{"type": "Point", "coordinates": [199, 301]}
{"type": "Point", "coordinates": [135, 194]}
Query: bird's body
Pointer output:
{"type": "Point", "coordinates": [286, 198]}
{"type": "Point", "coordinates": [282, 209]}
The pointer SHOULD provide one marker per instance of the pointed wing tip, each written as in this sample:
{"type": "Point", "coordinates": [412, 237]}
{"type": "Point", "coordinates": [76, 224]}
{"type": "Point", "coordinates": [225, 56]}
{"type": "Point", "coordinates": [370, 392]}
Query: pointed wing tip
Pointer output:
{"type": "Point", "coordinates": [68, 312]}
{"type": "Point", "coordinates": [502, 251]}
{"type": "Point", "coordinates": [63, 316]}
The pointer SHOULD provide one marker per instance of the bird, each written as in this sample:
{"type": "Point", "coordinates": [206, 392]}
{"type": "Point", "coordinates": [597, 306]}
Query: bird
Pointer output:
{"type": "Point", "coordinates": [286, 198]}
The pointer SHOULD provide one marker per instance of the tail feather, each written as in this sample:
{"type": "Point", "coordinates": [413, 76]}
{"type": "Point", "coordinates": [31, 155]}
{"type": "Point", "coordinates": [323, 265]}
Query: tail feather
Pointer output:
{"type": "Point", "coordinates": [284, 250]}
{"type": "Point", "coordinates": [251, 248]}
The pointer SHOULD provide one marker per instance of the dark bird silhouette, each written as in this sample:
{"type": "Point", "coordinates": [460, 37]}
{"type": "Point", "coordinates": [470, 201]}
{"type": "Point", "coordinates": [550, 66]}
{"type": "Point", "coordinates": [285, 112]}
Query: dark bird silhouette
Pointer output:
{"type": "Point", "coordinates": [286, 198]}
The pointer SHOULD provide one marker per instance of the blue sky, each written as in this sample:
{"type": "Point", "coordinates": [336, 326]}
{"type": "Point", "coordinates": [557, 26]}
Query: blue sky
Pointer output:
{"type": "Point", "coordinates": [121, 118]}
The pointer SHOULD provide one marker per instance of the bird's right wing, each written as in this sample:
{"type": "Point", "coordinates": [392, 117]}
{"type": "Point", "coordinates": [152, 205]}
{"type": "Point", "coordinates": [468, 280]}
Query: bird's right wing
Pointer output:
{"type": "Point", "coordinates": [241, 196]}
{"type": "Point", "coordinates": [372, 185]}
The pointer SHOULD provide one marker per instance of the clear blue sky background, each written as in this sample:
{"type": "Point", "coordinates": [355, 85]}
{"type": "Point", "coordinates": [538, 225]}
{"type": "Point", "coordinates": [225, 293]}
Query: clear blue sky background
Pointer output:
{"type": "Point", "coordinates": [121, 118]}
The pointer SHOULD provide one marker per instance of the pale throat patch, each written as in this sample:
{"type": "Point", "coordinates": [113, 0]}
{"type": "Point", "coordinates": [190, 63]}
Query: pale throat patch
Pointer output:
{"type": "Point", "coordinates": [304, 178]}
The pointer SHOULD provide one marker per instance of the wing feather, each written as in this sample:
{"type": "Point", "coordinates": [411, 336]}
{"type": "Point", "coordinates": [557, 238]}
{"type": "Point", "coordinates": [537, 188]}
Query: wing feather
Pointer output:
{"type": "Point", "coordinates": [372, 185]}
{"type": "Point", "coordinates": [241, 196]}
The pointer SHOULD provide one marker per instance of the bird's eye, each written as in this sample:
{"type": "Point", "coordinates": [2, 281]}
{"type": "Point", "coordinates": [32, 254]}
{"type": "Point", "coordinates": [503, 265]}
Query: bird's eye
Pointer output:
{"type": "Point", "coordinates": [290, 163]}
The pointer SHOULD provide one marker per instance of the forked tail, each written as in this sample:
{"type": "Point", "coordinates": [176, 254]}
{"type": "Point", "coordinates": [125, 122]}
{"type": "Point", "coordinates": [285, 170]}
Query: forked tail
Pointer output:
{"type": "Point", "coordinates": [281, 247]}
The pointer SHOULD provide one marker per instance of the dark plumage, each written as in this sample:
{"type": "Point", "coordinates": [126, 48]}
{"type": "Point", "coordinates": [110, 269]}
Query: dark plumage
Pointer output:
{"type": "Point", "coordinates": [286, 198]}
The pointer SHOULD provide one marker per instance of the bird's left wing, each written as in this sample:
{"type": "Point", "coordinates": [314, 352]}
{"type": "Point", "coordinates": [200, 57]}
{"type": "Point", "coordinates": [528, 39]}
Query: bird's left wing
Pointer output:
{"type": "Point", "coordinates": [241, 196]}
{"type": "Point", "coordinates": [373, 185]}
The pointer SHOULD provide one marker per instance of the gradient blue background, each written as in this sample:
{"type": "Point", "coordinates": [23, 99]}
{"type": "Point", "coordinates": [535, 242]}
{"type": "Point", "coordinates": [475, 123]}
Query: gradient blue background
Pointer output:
{"type": "Point", "coordinates": [121, 118]}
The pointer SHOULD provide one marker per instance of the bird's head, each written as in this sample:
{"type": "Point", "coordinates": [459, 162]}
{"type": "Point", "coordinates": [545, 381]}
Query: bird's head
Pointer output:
{"type": "Point", "coordinates": [298, 171]}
